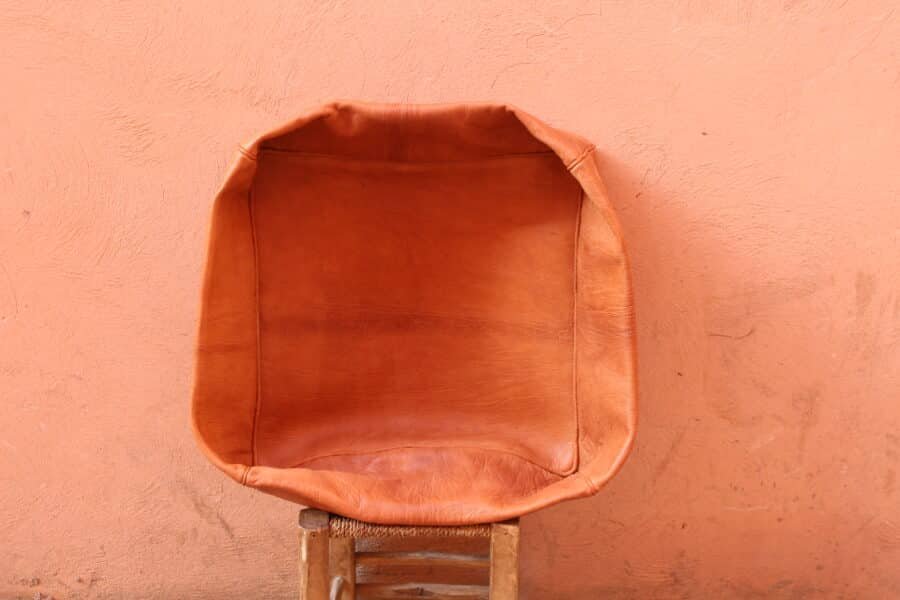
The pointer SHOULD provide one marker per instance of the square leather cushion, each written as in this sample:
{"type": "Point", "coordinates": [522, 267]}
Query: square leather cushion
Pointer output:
{"type": "Point", "coordinates": [416, 315]}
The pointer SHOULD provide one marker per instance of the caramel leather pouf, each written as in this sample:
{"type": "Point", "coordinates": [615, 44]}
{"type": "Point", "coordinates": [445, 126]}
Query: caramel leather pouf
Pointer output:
{"type": "Point", "coordinates": [416, 315]}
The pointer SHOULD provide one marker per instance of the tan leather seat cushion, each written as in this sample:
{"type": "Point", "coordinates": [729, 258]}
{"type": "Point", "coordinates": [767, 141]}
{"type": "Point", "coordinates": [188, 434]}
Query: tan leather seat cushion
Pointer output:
{"type": "Point", "coordinates": [416, 315]}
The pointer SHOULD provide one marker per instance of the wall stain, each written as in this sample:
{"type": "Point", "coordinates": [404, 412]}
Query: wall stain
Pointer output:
{"type": "Point", "coordinates": [669, 455]}
{"type": "Point", "coordinates": [203, 510]}
{"type": "Point", "coordinates": [733, 337]}
{"type": "Point", "coordinates": [807, 403]}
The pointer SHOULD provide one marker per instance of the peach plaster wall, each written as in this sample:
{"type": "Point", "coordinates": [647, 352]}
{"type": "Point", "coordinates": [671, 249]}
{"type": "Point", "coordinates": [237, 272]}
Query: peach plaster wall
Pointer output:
{"type": "Point", "coordinates": [751, 151]}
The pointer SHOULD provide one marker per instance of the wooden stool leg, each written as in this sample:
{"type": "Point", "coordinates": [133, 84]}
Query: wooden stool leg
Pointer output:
{"type": "Point", "coordinates": [343, 566]}
{"type": "Point", "coordinates": [505, 561]}
{"type": "Point", "coordinates": [313, 555]}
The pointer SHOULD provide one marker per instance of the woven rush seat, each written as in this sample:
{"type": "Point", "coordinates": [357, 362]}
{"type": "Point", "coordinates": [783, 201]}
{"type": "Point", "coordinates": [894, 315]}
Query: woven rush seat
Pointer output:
{"type": "Point", "coordinates": [342, 527]}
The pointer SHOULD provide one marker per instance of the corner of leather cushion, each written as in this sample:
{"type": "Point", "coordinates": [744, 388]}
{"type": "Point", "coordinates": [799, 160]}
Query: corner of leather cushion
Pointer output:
{"type": "Point", "coordinates": [245, 474]}
{"type": "Point", "coordinates": [236, 471]}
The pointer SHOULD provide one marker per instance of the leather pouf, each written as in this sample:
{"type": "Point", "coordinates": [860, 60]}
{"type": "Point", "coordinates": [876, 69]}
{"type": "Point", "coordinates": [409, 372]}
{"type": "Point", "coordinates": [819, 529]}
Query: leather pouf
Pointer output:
{"type": "Point", "coordinates": [416, 315]}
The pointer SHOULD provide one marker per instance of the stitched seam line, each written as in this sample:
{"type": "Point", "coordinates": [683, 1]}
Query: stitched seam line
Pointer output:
{"type": "Point", "coordinates": [577, 416]}
{"type": "Point", "coordinates": [591, 486]}
{"type": "Point", "coordinates": [396, 448]}
{"type": "Point", "coordinates": [246, 153]}
{"type": "Point", "coordinates": [253, 450]}
{"type": "Point", "coordinates": [580, 159]}
{"type": "Point", "coordinates": [352, 159]}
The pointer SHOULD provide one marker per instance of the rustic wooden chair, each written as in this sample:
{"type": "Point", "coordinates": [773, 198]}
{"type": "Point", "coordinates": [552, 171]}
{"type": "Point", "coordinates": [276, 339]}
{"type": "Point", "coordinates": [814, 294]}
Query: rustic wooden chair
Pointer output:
{"type": "Point", "coordinates": [346, 559]}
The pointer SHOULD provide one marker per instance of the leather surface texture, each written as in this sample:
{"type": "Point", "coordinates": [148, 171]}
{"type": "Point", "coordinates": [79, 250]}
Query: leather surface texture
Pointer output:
{"type": "Point", "coordinates": [416, 315]}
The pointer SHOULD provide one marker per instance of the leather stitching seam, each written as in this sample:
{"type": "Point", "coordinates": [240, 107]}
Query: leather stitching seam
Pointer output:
{"type": "Point", "coordinates": [246, 153]}
{"type": "Point", "coordinates": [300, 464]}
{"type": "Point", "coordinates": [256, 408]}
{"type": "Point", "coordinates": [353, 159]}
{"type": "Point", "coordinates": [576, 456]}
{"type": "Point", "coordinates": [580, 158]}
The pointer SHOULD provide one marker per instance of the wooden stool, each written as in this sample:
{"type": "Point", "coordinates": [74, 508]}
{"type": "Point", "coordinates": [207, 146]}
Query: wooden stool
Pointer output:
{"type": "Point", "coordinates": [345, 559]}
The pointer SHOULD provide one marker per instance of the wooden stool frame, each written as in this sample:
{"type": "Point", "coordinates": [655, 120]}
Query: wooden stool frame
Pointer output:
{"type": "Point", "coordinates": [334, 550]}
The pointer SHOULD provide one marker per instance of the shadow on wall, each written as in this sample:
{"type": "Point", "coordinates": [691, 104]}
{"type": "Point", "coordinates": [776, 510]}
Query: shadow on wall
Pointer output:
{"type": "Point", "coordinates": [738, 414]}
{"type": "Point", "coordinates": [624, 542]}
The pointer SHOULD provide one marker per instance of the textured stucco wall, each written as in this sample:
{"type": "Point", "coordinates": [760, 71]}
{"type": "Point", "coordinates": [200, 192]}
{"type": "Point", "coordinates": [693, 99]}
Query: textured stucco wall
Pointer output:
{"type": "Point", "coordinates": [752, 151]}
